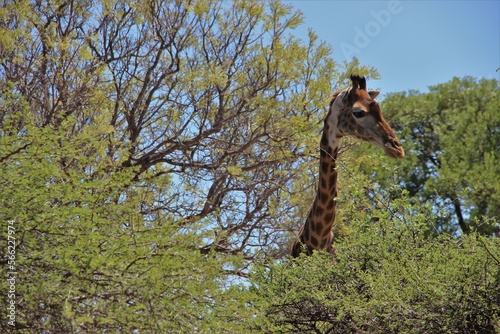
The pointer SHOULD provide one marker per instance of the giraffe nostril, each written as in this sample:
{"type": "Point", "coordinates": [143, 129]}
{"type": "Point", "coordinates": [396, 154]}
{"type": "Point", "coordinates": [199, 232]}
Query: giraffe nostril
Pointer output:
{"type": "Point", "coordinates": [393, 142]}
{"type": "Point", "coordinates": [393, 148]}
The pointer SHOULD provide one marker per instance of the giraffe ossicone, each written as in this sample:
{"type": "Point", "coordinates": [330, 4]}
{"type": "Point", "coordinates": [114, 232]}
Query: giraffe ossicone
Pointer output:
{"type": "Point", "coordinates": [353, 112]}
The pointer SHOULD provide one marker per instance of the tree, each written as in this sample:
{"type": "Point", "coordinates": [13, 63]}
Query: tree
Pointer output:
{"type": "Point", "coordinates": [150, 152]}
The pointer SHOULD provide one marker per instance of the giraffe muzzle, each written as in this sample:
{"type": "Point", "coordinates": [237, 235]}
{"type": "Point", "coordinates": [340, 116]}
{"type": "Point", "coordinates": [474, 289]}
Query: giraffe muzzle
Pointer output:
{"type": "Point", "coordinates": [393, 149]}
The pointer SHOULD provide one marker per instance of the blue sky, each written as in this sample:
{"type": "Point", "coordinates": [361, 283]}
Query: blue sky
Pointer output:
{"type": "Point", "coordinates": [413, 44]}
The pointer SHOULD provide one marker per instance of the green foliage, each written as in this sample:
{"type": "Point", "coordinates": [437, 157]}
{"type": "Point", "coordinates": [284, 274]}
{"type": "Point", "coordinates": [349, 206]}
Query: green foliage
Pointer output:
{"type": "Point", "coordinates": [155, 155]}
{"type": "Point", "coordinates": [88, 260]}
{"type": "Point", "coordinates": [388, 277]}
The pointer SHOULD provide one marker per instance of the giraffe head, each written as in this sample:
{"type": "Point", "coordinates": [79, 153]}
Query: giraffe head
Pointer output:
{"type": "Point", "coordinates": [354, 112]}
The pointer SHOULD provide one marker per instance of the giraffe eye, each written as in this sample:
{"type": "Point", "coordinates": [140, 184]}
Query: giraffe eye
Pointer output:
{"type": "Point", "coordinates": [359, 114]}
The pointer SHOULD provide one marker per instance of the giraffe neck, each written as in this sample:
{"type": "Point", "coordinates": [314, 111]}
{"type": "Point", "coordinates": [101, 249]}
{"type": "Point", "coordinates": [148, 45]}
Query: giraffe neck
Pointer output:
{"type": "Point", "coordinates": [316, 233]}
{"type": "Point", "coordinates": [322, 215]}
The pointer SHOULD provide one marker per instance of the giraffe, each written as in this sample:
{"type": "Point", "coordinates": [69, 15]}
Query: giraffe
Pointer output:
{"type": "Point", "coordinates": [353, 112]}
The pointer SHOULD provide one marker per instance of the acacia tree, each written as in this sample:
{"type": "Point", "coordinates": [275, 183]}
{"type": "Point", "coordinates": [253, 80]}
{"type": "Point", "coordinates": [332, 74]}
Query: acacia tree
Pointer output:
{"type": "Point", "coordinates": [148, 150]}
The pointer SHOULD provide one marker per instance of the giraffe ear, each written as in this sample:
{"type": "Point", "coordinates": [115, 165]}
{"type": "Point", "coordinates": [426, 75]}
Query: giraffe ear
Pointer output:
{"type": "Point", "coordinates": [373, 93]}
{"type": "Point", "coordinates": [345, 98]}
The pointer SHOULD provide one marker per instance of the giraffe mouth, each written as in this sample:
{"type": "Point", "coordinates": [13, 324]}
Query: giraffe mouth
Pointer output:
{"type": "Point", "coordinates": [393, 149]}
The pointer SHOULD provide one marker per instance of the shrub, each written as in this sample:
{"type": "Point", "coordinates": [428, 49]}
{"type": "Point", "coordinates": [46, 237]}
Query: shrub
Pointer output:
{"type": "Point", "coordinates": [388, 278]}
